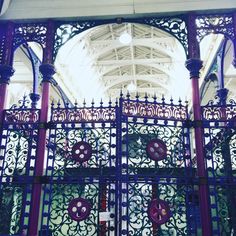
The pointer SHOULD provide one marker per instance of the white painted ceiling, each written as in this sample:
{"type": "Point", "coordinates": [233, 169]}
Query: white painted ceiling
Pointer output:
{"type": "Point", "coordinates": [95, 65]}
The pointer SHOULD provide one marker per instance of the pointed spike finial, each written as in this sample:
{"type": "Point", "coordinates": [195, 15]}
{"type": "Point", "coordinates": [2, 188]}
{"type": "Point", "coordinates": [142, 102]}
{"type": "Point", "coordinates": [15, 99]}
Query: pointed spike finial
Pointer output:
{"type": "Point", "coordinates": [121, 93]}
{"type": "Point", "coordinates": [76, 103]}
{"type": "Point", "coordinates": [92, 103]}
{"type": "Point", "coordinates": [101, 103]}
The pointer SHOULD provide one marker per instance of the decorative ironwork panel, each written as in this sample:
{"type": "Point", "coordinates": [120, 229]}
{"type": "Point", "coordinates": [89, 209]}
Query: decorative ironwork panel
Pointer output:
{"type": "Point", "coordinates": [85, 207]}
{"type": "Point", "coordinates": [217, 113]}
{"type": "Point", "coordinates": [176, 26]}
{"type": "Point", "coordinates": [153, 206]}
{"type": "Point", "coordinates": [222, 200]}
{"type": "Point", "coordinates": [220, 158]}
{"type": "Point", "coordinates": [219, 132]}
{"type": "Point", "coordinates": [81, 195]}
{"type": "Point", "coordinates": [2, 42]}
{"type": "Point", "coordinates": [18, 147]}
{"type": "Point", "coordinates": [30, 32]}
{"type": "Point", "coordinates": [155, 110]}
{"type": "Point", "coordinates": [155, 166]}
{"type": "Point", "coordinates": [67, 31]}
{"type": "Point", "coordinates": [92, 114]}
{"type": "Point", "coordinates": [219, 24]}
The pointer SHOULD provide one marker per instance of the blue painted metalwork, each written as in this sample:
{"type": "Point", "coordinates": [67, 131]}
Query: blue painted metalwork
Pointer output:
{"type": "Point", "coordinates": [176, 26]}
{"type": "Point", "coordinates": [219, 132]}
{"type": "Point", "coordinates": [19, 138]}
{"type": "Point", "coordinates": [119, 179]}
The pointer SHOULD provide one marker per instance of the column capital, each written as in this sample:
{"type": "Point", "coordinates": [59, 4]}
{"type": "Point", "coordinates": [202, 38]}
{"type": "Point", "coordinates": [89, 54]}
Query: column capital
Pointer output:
{"type": "Point", "coordinates": [194, 65]}
{"type": "Point", "coordinates": [6, 72]}
{"type": "Point", "coordinates": [234, 62]}
{"type": "Point", "coordinates": [47, 70]}
{"type": "Point", "coordinates": [222, 94]}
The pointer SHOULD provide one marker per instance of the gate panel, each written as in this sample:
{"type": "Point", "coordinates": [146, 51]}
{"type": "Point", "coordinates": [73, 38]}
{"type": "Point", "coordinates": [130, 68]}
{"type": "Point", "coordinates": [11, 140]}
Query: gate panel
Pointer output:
{"type": "Point", "coordinates": [220, 143]}
{"type": "Point", "coordinates": [17, 160]}
{"type": "Point", "coordinates": [80, 196]}
{"type": "Point", "coordinates": [159, 195]}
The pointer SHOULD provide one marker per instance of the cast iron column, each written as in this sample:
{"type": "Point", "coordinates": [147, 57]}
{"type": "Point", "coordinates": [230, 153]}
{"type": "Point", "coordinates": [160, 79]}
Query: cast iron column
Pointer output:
{"type": "Point", "coordinates": [6, 70]}
{"type": "Point", "coordinates": [47, 70]}
{"type": "Point", "coordinates": [234, 42]}
{"type": "Point", "coordinates": [194, 64]}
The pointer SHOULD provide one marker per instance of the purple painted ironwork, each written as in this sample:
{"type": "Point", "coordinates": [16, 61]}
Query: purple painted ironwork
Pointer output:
{"type": "Point", "coordinates": [30, 32]}
{"type": "Point", "coordinates": [194, 66]}
{"type": "Point", "coordinates": [157, 150]}
{"type": "Point", "coordinates": [215, 23]}
{"type": "Point", "coordinates": [155, 110]}
{"type": "Point", "coordinates": [81, 152]}
{"type": "Point", "coordinates": [47, 72]}
{"type": "Point", "coordinates": [79, 209]}
{"type": "Point", "coordinates": [5, 73]}
{"type": "Point", "coordinates": [217, 112]}
{"type": "Point", "coordinates": [234, 40]}
{"type": "Point", "coordinates": [83, 114]}
{"type": "Point", "coordinates": [159, 211]}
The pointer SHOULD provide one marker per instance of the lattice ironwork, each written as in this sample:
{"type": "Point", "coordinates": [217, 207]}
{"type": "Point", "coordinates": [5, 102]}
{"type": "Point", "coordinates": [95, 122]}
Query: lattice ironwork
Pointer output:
{"type": "Point", "coordinates": [18, 147]}
{"type": "Point", "coordinates": [176, 26]}
{"type": "Point", "coordinates": [217, 23]}
{"type": "Point", "coordinates": [150, 130]}
{"type": "Point", "coordinates": [129, 161]}
{"type": "Point", "coordinates": [220, 150]}
{"type": "Point", "coordinates": [67, 31]}
{"type": "Point", "coordinates": [27, 32]}
{"type": "Point", "coordinates": [2, 43]}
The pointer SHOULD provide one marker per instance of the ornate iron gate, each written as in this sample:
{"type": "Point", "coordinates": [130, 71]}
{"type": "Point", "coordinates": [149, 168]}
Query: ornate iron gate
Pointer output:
{"type": "Point", "coordinates": [19, 139]}
{"type": "Point", "coordinates": [220, 152]}
{"type": "Point", "coordinates": [125, 169]}
{"type": "Point", "coordinates": [120, 170]}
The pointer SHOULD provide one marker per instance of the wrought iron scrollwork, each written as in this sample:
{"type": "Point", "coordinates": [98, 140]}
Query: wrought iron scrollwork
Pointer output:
{"type": "Point", "coordinates": [30, 32]}
{"type": "Point", "coordinates": [176, 26]}
{"type": "Point", "coordinates": [219, 24]}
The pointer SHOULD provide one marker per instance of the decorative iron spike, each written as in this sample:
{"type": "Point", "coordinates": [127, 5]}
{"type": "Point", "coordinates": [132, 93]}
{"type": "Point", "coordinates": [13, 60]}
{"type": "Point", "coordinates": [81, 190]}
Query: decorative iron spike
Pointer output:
{"type": "Point", "coordinates": [146, 97]}
{"type": "Point", "coordinates": [52, 103]}
{"type": "Point", "coordinates": [101, 103]}
{"type": "Point", "coordinates": [84, 103]}
{"type": "Point", "coordinates": [137, 96]}
{"type": "Point", "coordinates": [155, 98]}
{"type": "Point", "coordinates": [110, 102]}
{"type": "Point", "coordinates": [128, 95]}
{"type": "Point", "coordinates": [92, 103]}
{"type": "Point", "coordinates": [180, 101]}
{"type": "Point", "coordinates": [163, 99]}
{"type": "Point", "coordinates": [67, 104]}
{"type": "Point", "coordinates": [76, 103]}
{"type": "Point", "coordinates": [121, 93]}
{"type": "Point", "coordinates": [171, 100]}
{"type": "Point", "coordinates": [58, 103]}
{"type": "Point", "coordinates": [116, 102]}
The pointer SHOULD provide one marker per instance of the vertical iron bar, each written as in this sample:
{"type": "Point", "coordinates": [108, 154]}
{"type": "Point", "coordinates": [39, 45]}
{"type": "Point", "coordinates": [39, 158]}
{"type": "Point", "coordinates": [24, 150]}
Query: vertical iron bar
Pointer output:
{"type": "Point", "coordinates": [6, 70]}
{"type": "Point", "coordinates": [47, 70]}
{"type": "Point", "coordinates": [194, 64]}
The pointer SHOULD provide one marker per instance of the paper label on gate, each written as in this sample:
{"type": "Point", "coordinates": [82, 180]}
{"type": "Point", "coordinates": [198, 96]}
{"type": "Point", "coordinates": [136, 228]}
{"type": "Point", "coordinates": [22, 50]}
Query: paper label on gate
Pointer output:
{"type": "Point", "coordinates": [105, 216]}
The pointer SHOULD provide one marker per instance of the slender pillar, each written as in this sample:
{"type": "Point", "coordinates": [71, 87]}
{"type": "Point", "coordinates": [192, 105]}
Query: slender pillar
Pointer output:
{"type": "Point", "coordinates": [6, 70]}
{"type": "Point", "coordinates": [5, 73]}
{"type": "Point", "coordinates": [47, 70]}
{"type": "Point", "coordinates": [194, 66]}
{"type": "Point", "coordinates": [234, 41]}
